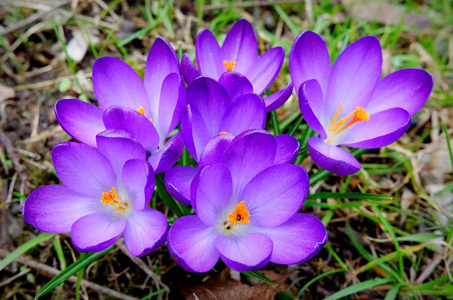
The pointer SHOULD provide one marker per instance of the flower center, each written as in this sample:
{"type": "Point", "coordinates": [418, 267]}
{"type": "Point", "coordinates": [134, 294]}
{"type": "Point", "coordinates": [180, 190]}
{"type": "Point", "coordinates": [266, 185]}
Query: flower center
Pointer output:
{"type": "Point", "coordinates": [229, 65]}
{"type": "Point", "coordinates": [111, 197]}
{"type": "Point", "coordinates": [359, 114]}
{"type": "Point", "coordinates": [240, 215]}
{"type": "Point", "coordinates": [141, 110]}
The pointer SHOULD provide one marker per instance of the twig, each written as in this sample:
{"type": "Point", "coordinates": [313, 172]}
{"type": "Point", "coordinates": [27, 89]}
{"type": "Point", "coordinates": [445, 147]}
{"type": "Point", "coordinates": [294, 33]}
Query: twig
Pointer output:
{"type": "Point", "coordinates": [248, 4]}
{"type": "Point", "coordinates": [51, 272]}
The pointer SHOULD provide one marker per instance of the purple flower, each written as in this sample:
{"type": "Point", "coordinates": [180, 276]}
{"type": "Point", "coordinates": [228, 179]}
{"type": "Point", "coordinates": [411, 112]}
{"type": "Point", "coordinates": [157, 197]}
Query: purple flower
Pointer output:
{"type": "Point", "coordinates": [148, 110]}
{"type": "Point", "coordinates": [105, 195]}
{"type": "Point", "coordinates": [348, 104]}
{"type": "Point", "coordinates": [247, 211]}
{"type": "Point", "coordinates": [238, 54]}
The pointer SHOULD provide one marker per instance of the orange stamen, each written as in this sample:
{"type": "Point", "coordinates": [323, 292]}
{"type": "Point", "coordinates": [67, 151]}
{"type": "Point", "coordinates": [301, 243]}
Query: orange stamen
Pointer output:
{"type": "Point", "coordinates": [359, 114]}
{"type": "Point", "coordinates": [111, 197]}
{"type": "Point", "coordinates": [223, 133]}
{"type": "Point", "coordinates": [229, 65]}
{"type": "Point", "coordinates": [141, 110]}
{"type": "Point", "coordinates": [240, 214]}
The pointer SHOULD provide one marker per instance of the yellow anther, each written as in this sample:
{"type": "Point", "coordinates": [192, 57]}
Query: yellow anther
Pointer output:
{"type": "Point", "coordinates": [141, 110]}
{"type": "Point", "coordinates": [111, 197]}
{"type": "Point", "coordinates": [359, 114]}
{"type": "Point", "coordinates": [240, 214]}
{"type": "Point", "coordinates": [229, 65]}
{"type": "Point", "coordinates": [224, 132]}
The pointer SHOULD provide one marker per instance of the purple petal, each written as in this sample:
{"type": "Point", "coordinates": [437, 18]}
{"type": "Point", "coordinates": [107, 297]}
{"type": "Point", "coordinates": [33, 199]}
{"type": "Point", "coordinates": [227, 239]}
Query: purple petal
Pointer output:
{"type": "Point", "coordinates": [214, 150]}
{"type": "Point", "coordinates": [382, 129]}
{"type": "Point", "coordinates": [83, 169]}
{"type": "Point", "coordinates": [116, 83]}
{"type": "Point", "coordinates": [81, 120]}
{"type": "Point", "coordinates": [265, 69]}
{"type": "Point", "coordinates": [207, 53]}
{"type": "Point", "coordinates": [191, 244]}
{"type": "Point", "coordinates": [168, 155]}
{"type": "Point", "coordinates": [277, 99]}
{"type": "Point", "coordinates": [287, 149]}
{"type": "Point", "coordinates": [354, 76]}
{"type": "Point", "coordinates": [212, 194]}
{"type": "Point", "coordinates": [407, 88]}
{"type": "Point", "coordinates": [161, 61]}
{"type": "Point", "coordinates": [245, 253]}
{"type": "Point", "coordinates": [118, 147]}
{"type": "Point", "coordinates": [138, 180]}
{"type": "Point", "coordinates": [309, 59]}
{"type": "Point", "coordinates": [311, 104]}
{"type": "Point", "coordinates": [276, 194]}
{"type": "Point", "coordinates": [188, 70]}
{"type": "Point", "coordinates": [332, 158]}
{"type": "Point", "coordinates": [247, 156]}
{"type": "Point", "coordinates": [145, 231]}
{"type": "Point", "coordinates": [96, 232]}
{"type": "Point", "coordinates": [297, 240]}
{"type": "Point", "coordinates": [240, 46]}
{"type": "Point", "coordinates": [235, 84]}
{"type": "Point", "coordinates": [177, 182]}
{"type": "Point", "coordinates": [187, 129]}
{"type": "Point", "coordinates": [131, 121]}
{"type": "Point", "coordinates": [54, 208]}
{"type": "Point", "coordinates": [244, 113]}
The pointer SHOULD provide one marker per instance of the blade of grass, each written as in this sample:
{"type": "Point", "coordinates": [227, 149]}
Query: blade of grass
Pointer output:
{"type": "Point", "coordinates": [307, 285]}
{"type": "Point", "coordinates": [175, 207]}
{"type": "Point", "coordinates": [392, 293]}
{"type": "Point", "coordinates": [260, 276]}
{"type": "Point", "coordinates": [364, 285]}
{"type": "Point", "coordinates": [362, 196]}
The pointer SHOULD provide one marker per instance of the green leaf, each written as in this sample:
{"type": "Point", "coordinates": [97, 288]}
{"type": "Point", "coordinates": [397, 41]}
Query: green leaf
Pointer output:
{"type": "Point", "coordinates": [175, 207]}
{"type": "Point", "coordinates": [348, 196]}
{"type": "Point", "coordinates": [24, 248]}
{"type": "Point", "coordinates": [71, 270]}
{"type": "Point", "coordinates": [260, 276]}
{"type": "Point", "coordinates": [64, 85]}
{"type": "Point", "coordinates": [392, 293]}
{"type": "Point", "coordinates": [359, 287]}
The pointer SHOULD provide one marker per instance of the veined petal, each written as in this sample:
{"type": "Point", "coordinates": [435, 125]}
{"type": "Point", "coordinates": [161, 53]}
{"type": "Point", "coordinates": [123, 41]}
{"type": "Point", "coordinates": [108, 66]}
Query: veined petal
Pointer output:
{"type": "Point", "coordinates": [276, 194]}
{"type": "Point", "coordinates": [145, 231]}
{"type": "Point", "coordinates": [382, 129]}
{"type": "Point", "coordinates": [354, 77]}
{"type": "Point", "coordinates": [235, 84]}
{"type": "Point", "coordinates": [208, 55]}
{"type": "Point", "coordinates": [81, 120]}
{"type": "Point", "coordinates": [168, 155]}
{"type": "Point", "coordinates": [83, 169]}
{"type": "Point", "coordinates": [277, 99]}
{"type": "Point", "coordinates": [96, 232]}
{"type": "Point", "coordinates": [244, 113]}
{"type": "Point", "coordinates": [116, 83]}
{"type": "Point", "coordinates": [191, 244]}
{"type": "Point", "coordinates": [214, 149]}
{"type": "Point", "coordinates": [118, 147]}
{"type": "Point", "coordinates": [407, 88]}
{"type": "Point", "coordinates": [245, 253]}
{"type": "Point", "coordinates": [265, 69]}
{"type": "Point", "coordinates": [309, 59]}
{"type": "Point", "coordinates": [161, 61]}
{"type": "Point", "coordinates": [332, 158]}
{"type": "Point", "coordinates": [213, 193]}
{"type": "Point", "coordinates": [297, 240]}
{"type": "Point", "coordinates": [287, 149]}
{"type": "Point", "coordinates": [311, 105]}
{"type": "Point", "coordinates": [131, 121]}
{"type": "Point", "coordinates": [188, 70]}
{"type": "Point", "coordinates": [54, 208]}
{"type": "Point", "coordinates": [138, 180]}
{"type": "Point", "coordinates": [177, 182]}
{"type": "Point", "coordinates": [240, 46]}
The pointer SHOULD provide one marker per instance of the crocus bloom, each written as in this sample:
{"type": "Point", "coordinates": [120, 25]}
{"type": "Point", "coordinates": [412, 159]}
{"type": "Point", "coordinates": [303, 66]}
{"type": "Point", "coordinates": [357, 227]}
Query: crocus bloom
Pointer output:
{"type": "Point", "coordinates": [238, 54]}
{"type": "Point", "coordinates": [247, 211]}
{"type": "Point", "coordinates": [148, 110]}
{"type": "Point", "coordinates": [105, 195]}
{"type": "Point", "coordinates": [348, 104]}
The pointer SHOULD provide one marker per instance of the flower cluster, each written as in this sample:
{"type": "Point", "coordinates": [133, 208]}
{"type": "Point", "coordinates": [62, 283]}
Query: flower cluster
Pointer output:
{"type": "Point", "coordinates": [244, 189]}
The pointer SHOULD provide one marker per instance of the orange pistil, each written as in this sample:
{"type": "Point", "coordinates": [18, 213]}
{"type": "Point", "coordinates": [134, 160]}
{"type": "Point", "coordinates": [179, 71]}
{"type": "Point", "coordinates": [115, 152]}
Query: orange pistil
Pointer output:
{"type": "Point", "coordinates": [240, 214]}
{"type": "Point", "coordinates": [141, 110]}
{"type": "Point", "coordinates": [111, 197]}
{"type": "Point", "coordinates": [229, 65]}
{"type": "Point", "coordinates": [359, 114]}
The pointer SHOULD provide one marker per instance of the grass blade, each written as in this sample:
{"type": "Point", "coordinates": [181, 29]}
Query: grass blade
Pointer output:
{"type": "Point", "coordinates": [260, 276]}
{"type": "Point", "coordinates": [359, 287]}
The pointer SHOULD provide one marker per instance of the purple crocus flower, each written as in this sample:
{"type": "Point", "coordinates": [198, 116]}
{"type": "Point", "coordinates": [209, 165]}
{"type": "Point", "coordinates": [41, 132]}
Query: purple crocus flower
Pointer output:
{"type": "Point", "coordinates": [148, 110]}
{"type": "Point", "coordinates": [348, 104]}
{"type": "Point", "coordinates": [238, 54]}
{"type": "Point", "coordinates": [247, 211]}
{"type": "Point", "coordinates": [105, 195]}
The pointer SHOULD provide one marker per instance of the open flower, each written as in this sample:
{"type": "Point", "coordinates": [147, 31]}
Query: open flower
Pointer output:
{"type": "Point", "coordinates": [247, 212]}
{"type": "Point", "coordinates": [348, 104]}
{"type": "Point", "coordinates": [105, 195]}
{"type": "Point", "coordinates": [238, 54]}
{"type": "Point", "coordinates": [149, 111]}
